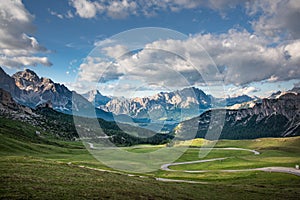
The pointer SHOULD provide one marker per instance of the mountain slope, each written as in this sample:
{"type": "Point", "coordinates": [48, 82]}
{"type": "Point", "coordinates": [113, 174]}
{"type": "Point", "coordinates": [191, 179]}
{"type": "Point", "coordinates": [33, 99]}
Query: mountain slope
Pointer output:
{"type": "Point", "coordinates": [39, 90]}
{"type": "Point", "coordinates": [270, 118]}
{"type": "Point", "coordinates": [28, 89]}
{"type": "Point", "coordinates": [62, 126]}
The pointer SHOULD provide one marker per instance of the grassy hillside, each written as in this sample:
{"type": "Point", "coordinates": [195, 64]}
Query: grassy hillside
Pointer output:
{"type": "Point", "coordinates": [63, 125]}
{"type": "Point", "coordinates": [41, 167]}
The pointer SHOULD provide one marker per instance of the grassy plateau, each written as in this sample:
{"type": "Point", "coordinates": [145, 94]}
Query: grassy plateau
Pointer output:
{"type": "Point", "coordinates": [42, 167]}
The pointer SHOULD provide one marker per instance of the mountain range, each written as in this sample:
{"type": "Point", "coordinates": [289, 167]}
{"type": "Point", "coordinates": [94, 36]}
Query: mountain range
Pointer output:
{"type": "Point", "coordinates": [278, 116]}
{"type": "Point", "coordinates": [28, 89]}
{"type": "Point", "coordinates": [54, 124]}
{"type": "Point", "coordinates": [24, 96]}
{"type": "Point", "coordinates": [176, 106]}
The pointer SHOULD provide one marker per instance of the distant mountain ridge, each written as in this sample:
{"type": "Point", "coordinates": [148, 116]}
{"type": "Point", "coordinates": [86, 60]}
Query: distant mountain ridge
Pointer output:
{"type": "Point", "coordinates": [95, 97]}
{"type": "Point", "coordinates": [279, 117]}
{"type": "Point", "coordinates": [176, 105]}
{"type": "Point", "coordinates": [275, 116]}
{"type": "Point", "coordinates": [27, 88]}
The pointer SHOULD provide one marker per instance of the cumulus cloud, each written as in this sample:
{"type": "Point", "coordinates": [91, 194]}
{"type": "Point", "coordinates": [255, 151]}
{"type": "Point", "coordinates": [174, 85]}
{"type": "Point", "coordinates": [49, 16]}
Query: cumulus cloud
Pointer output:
{"type": "Point", "coordinates": [276, 17]}
{"type": "Point", "coordinates": [95, 68]}
{"type": "Point", "coordinates": [148, 67]}
{"type": "Point", "coordinates": [124, 8]}
{"type": "Point", "coordinates": [85, 8]}
{"type": "Point", "coordinates": [17, 47]}
{"type": "Point", "coordinates": [237, 91]}
{"type": "Point", "coordinates": [240, 56]}
{"type": "Point", "coordinates": [116, 51]}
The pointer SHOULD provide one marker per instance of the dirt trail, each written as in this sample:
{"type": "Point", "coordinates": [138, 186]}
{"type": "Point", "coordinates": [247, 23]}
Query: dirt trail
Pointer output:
{"type": "Point", "coordinates": [288, 170]}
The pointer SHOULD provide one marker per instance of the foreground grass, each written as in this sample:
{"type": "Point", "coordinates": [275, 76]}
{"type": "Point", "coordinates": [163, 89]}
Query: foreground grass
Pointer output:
{"type": "Point", "coordinates": [38, 167]}
{"type": "Point", "coordinates": [32, 178]}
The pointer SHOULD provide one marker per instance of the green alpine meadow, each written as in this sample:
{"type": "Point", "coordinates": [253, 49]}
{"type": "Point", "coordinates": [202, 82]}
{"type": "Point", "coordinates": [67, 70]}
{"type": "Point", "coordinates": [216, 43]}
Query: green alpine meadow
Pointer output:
{"type": "Point", "coordinates": [147, 99]}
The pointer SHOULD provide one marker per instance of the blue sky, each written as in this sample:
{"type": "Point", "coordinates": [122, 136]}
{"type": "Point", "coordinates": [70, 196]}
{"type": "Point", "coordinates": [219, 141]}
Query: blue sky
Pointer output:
{"type": "Point", "coordinates": [67, 31]}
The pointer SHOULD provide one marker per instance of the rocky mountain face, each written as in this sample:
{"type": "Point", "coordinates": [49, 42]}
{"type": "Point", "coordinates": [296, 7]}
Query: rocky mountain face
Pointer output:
{"type": "Point", "coordinates": [164, 105]}
{"type": "Point", "coordinates": [268, 118]}
{"type": "Point", "coordinates": [278, 94]}
{"type": "Point", "coordinates": [39, 90]}
{"type": "Point", "coordinates": [11, 109]}
{"type": "Point", "coordinates": [230, 101]}
{"type": "Point", "coordinates": [95, 97]}
{"type": "Point", "coordinates": [8, 83]}
{"type": "Point", "coordinates": [28, 89]}
{"type": "Point", "coordinates": [50, 123]}
{"type": "Point", "coordinates": [178, 105]}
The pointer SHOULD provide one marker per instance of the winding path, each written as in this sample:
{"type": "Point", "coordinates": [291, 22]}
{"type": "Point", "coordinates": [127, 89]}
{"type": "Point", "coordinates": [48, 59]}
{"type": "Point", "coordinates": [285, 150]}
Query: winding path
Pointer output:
{"type": "Point", "coordinates": [288, 170]}
{"type": "Point", "coordinates": [165, 167]}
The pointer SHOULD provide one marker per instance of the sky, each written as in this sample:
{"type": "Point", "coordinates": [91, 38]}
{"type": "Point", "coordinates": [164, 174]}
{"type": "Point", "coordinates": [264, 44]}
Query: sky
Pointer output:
{"type": "Point", "coordinates": [229, 47]}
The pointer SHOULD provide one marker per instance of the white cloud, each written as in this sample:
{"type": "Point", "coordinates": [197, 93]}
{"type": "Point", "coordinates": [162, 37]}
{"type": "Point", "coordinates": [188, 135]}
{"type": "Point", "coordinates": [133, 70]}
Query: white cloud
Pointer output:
{"type": "Point", "coordinates": [278, 19]}
{"type": "Point", "coordinates": [68, 15]}
{"type": "Point", "coordinates": [124, 8]}
{"type": "Point", "coordinates": [56, 14]}
{"type": "Point", "coordinates": [121, 9]}
{"type": "Point", "coordinates": [275, 19]}
{"type": "Point", "coordinates": [86, 8]}
{"type": "Point", "coordinates": [116, 51]}
{"type": "Point", "coordinates": [16, 62]}
{"type": "Point", "coordinates": [242, 57]}
{"type": "Point", "coordinates": [95, 68]}
{"type": "Point", "coordinates": [272, 79]}
{"type": "Point", "coordinates": [238, 91]}
{"type": "Point", "coordinates": [17, 47]}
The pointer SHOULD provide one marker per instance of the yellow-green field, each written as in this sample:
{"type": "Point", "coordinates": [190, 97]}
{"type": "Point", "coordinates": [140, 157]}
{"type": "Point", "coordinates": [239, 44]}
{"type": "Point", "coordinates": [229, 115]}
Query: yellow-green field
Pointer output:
{"type": "Point", "coordinates": [33, 167]}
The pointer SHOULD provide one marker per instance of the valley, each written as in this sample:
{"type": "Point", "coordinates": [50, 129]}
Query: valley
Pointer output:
{"type": "Point", "coordinates": [76, 148]}
{"type": "Point", "coordinates": [35, 166]}
{"type": "Point", "coordinates": [150, 99]}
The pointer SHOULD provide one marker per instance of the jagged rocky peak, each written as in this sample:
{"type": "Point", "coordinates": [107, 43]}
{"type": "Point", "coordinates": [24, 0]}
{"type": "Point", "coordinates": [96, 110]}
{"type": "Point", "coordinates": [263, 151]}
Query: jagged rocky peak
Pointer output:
{"type": "Point", "coordinates": [28, 75]}
{"type": "Point", "coordinates": [278, 94]}
{"type": "Point", "coordinates": [91, 95]}
{"type": "Point", "coordinates": [96, 97]}
{"type": "Point", "coordinates": [46, 81]}
{"type": "Point", "coordinates": [26, 80]}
